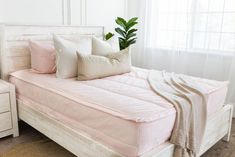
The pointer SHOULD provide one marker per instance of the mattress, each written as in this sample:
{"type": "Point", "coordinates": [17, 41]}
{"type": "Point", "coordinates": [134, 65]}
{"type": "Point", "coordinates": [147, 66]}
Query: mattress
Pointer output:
{"type": "Point", "coordinates": [121, 112]}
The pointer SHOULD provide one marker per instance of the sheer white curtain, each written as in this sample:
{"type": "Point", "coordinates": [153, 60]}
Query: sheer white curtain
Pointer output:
{"type": "Point", "coordinates": [195, 37]}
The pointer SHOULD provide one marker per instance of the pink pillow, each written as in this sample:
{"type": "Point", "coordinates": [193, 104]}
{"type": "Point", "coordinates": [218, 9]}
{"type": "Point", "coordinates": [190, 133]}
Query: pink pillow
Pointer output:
{"type": "Point", "coordinates": [42, 57]}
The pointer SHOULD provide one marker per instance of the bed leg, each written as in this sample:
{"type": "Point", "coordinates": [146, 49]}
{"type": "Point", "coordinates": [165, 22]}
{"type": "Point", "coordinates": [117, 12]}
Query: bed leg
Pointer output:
{"type": "Point", "coordinates": [226, 138]}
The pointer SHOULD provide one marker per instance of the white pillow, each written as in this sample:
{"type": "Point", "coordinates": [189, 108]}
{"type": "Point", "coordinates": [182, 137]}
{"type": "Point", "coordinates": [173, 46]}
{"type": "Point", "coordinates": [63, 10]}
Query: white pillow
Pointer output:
{"type": "Point", "coordinates": [94, 66]}
{"type": "Point", "coordinates": [102, 48]}
{"type": "Point", "coordinates": [66, 58]}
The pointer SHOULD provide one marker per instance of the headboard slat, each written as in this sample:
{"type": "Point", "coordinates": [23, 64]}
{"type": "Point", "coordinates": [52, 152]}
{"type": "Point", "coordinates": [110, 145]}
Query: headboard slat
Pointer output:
{"type": "Point", "coordinates": [14, 50]}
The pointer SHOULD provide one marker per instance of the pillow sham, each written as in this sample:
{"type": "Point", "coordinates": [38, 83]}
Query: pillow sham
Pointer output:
{"type": "Point", "coordinates": [93, 66]}
{"type": "Point", "coordinates": [66, 58]}
{"type": "Point", "coordinates": [42, 57]}
{"type": "Point", "coordinates": [102, 48]}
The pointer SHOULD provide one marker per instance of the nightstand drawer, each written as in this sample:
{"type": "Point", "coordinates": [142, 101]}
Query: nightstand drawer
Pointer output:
{"type": "Point", "coordinates": [4, 102]}
{"type": "Point", "coordinates": [5, 121]}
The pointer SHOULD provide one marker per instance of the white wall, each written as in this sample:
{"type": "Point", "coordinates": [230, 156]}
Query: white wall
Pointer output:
{"type": "Point", "coordinates": [105, 11]}
{"type": "Point", "coordinates": [133, 8]}
{"type": "Point", "coordinates": [31, 11]}
{"type": "Point", "coordinates": [56, 12]}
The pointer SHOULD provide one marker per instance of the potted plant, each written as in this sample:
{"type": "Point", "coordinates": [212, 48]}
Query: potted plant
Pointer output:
{"type": "Point", "coordinates": [126, 31]}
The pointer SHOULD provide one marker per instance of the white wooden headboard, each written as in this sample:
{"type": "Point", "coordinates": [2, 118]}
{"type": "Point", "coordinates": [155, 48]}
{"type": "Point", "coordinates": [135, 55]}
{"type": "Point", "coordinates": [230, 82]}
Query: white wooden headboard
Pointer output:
{"type": "Point", "coordinates": [14, 50]}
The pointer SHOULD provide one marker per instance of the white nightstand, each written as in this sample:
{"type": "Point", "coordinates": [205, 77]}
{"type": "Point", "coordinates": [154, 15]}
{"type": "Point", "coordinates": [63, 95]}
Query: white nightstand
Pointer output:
{"type": "Point", "coordinates": [8, 110]}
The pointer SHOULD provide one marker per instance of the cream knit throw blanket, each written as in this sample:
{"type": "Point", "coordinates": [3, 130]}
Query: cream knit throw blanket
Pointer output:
{"type": "Point", "coordinates": [190, 104]}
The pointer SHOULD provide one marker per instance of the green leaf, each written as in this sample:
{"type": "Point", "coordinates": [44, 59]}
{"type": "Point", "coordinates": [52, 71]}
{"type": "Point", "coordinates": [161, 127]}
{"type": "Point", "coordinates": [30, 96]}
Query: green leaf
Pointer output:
{"type": "Point", "coordinates": [132, 20]}
{"type": "Point", "coordinates": [130, 25]}
{"type": "Point", "coordinates": [121, 22]}
{"type": "Point", "coordinates": [121, 32]}
{"type": "Point", "coordinates": [128, 36]}
{"type": "Point", "coordinates": [132, 31]}
{"type": "Point", "coordinates": [121, 44]}
{"type": "Point", "coordinates": [108, 36]}
{"type": "Point", "coordinates": [122, 48]}
{"type": "Point", "coordinates": [122, 40]}
{"type": "Point", "coordinates": [132, 41]}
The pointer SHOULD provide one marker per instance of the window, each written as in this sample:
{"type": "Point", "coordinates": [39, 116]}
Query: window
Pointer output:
{"type": "Point", "coordinates": [205, 25]}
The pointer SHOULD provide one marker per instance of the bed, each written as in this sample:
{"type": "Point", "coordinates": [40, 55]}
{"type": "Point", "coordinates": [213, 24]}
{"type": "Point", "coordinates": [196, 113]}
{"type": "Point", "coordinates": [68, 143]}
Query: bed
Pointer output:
{"type": "Point", "coordinates": [76, 115]}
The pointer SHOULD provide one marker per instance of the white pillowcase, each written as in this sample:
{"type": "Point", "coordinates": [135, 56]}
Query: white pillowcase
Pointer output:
{"type": "Point", "coordinates": [102, 48]}
{"type": "Point", "coordinates": [66, 58]}
{"type": "Point", "coordinates": [94, 66]}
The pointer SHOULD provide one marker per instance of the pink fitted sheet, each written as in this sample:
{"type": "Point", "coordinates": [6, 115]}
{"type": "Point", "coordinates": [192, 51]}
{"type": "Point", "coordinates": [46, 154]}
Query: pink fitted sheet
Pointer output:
{"type": "Point", "coordinates": [121, 111]}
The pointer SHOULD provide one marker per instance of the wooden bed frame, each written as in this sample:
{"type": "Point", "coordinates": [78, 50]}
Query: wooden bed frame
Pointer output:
{"type": "Point", "coordinates": [15, 56]}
